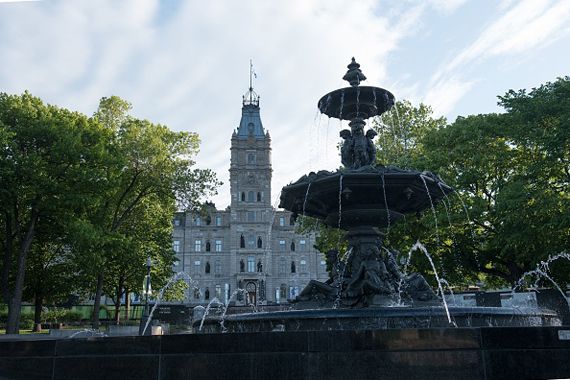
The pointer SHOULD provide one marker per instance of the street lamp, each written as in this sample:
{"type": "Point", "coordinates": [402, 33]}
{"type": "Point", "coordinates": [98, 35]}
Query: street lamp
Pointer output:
{"type": "Point", "coordinates": [146, 292]}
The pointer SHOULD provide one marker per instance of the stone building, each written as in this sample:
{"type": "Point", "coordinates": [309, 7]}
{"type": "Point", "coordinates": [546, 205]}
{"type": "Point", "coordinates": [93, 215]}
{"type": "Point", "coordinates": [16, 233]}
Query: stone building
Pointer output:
{"type": "Point", "coordinates": [250, 245]}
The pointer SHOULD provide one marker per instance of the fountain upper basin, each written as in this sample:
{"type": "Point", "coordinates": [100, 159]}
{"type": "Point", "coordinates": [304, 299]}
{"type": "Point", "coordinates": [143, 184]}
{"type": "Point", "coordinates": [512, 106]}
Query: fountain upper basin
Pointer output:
{"type": "Point", "coordinates": [370, 196]}
{"type": "Point", "coordinates": [356, 102]}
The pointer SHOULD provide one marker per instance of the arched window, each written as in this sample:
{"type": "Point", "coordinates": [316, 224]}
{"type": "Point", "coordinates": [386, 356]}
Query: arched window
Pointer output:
{"type": "Point", "coordinates": [207, 294]}
{"type": "Point", "coordinates": [259, 242]}
{"type": "Point", "coordinates": [250, 196]}
{"type": "Point", "coordinates": [243, 196]}
{"type": "Point", "coordinates": [259, 266]}
{"type": "Point", "coordinates": [207, 267]}
{"type": "Point", "coordinates": [292, 246]}
{"type": "Point", "coordinates": [251, 158]}
{"type": "Point", "coordinates": [241, 267]}
{"type": "Point", "coordinates": [241, 242]}
{"type": "Point", "coordinates": [292, 220]}
{"type": "Point", "coordinates": [258, 196]}
{"type": "Point", "coordinates": [293, 268]}
{"type": "Point", "coordinates": [208, 246]}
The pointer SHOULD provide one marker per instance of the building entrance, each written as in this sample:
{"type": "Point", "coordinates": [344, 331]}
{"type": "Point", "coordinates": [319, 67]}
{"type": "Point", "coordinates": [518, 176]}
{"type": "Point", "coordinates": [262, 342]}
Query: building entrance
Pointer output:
{"type": "Point", "coordinates": [251, 293]}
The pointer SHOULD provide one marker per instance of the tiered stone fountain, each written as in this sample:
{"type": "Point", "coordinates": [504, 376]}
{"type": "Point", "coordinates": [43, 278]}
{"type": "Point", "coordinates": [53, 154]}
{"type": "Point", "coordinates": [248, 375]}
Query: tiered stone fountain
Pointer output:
{"type": "Point", "coordinates": [367, 289]}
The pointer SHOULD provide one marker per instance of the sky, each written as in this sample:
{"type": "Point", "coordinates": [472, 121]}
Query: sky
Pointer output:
{"type": "Point", "coordinates": [185, 64]}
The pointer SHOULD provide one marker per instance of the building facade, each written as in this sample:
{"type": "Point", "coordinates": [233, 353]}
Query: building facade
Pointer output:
{"type": "Point", "coordinates": [250, 245]}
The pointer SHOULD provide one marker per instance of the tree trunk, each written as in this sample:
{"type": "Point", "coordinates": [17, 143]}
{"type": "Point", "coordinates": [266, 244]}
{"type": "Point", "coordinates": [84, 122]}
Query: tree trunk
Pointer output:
{"type": "Point", "coordinates": [39, 303]}
{"type": "Point", "coordinates": [7, 259]}
{"type": "Point", "coordinates": [119, 294]}
{"type": "Point", "coordinates": [97, 303]}
{"type": "Point", "coordinates": [12, 325]}
{"type": "Point", "coordinates": [127, 304]}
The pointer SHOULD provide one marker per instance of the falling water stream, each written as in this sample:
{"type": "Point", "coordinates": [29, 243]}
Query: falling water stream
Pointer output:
{"type": "Point", "coordinates": [542, 270]}
{"type": "Point", "coordinates": [386, 203]}
{"type": "Point", "coordinates": [306, 196]}
{"type": "Point", "coordinates": [440, 281]}
{"type": "Point", "coordinates": [341, 106]}
{"type": "Point", "coordinates": [158, 299]}
{"type": "Point", "coordinates": [345, 260]}
{"type": "Point", "coordinates": [339, 210]}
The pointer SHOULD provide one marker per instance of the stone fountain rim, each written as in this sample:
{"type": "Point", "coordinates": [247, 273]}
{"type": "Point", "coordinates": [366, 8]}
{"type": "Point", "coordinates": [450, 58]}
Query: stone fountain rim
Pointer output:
{"type": "Point", "coordinates": [367, 172]}
{"type": "Point", "coordinates": [391, 312]}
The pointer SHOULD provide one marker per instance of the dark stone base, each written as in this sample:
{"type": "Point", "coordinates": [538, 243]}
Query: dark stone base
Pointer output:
{"type": "Point", "coordinates": [380, 318]}
{"type": "Point", "coordinates": [436, 353]}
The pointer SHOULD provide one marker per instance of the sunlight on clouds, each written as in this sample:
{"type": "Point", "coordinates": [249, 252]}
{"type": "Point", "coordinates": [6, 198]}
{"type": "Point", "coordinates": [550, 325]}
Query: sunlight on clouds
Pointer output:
{"type": "Point", "coordinates": [446, 6]}
{"type": "Point", "coordinates": [525, 26]}
{"type": "Point", "coordinates": [186, 64]}
{"type": "Point", "coordinates": [444, 94]}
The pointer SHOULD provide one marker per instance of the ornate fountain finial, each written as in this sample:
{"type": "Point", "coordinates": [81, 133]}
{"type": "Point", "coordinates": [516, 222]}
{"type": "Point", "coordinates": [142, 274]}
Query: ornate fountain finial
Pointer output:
{"type": "Point", "coordinates": [354, 75]}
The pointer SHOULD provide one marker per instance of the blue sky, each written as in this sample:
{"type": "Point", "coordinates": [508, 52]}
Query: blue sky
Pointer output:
{"type": "Point", "coordinates": [185, 64]}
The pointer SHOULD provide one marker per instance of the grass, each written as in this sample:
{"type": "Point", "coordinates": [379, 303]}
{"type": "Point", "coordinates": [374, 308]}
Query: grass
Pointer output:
{"type": "Point", "coordinates": [26, 331]}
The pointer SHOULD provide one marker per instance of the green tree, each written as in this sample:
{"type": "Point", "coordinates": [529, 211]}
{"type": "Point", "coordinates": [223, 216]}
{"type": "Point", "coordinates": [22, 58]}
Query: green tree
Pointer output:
{"type": "Point", "coordinates": [147, 171]}
{"type": "Point", "coordinates": [511, 170]}
{"type": "Point", "coordinates": [42, 163]}
{"type": "Point", "coordinates": [401, 132]}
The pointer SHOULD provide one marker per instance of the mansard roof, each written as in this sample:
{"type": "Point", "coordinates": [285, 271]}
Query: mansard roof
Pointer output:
{"type": "Point", "coordinates": [250, 124]}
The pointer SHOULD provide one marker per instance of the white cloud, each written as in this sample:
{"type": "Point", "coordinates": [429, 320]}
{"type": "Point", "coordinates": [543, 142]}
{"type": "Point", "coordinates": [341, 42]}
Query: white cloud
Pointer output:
{"type": "Point", "coordinates": [526, 26]}
{"type": "Point", "coordinates": [446, 6]}
{"type": "Point", "coordinates": [444, 94]}
{"type": "Point", "coordinates": [187, 66]}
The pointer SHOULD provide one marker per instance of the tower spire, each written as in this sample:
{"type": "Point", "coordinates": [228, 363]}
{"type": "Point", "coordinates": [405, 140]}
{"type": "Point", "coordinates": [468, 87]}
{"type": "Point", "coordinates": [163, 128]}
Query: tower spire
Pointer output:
{"type": "Point", "coordinates": [251, 98]}
{"type": "Point", "coordinates": [250, 75]}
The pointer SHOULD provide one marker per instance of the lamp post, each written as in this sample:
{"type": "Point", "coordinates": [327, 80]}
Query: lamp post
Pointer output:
{"type": "Point", "coordinates": [146, 291]}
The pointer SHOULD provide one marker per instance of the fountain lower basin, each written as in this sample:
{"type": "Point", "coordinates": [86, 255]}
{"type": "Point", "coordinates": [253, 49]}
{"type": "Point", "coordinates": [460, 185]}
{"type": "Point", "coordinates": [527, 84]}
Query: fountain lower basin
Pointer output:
{"type": "Point", "coordinates": [380, 318]}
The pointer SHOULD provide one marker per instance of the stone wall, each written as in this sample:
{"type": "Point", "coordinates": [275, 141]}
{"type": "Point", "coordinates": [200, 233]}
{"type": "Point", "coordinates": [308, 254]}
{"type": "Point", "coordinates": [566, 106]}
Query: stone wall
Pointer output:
{"type": "Point", "coordinates": [465, 353]}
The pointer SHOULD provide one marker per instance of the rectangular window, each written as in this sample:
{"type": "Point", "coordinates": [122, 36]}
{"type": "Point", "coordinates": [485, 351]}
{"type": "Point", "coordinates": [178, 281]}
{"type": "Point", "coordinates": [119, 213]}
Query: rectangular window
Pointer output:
{"type": "Point", "coordinates": [251, 264]}
{"type": "Point", "coordinates": [176, 246]}
{"type": "Point", "coordinates": [251, 216]}
{"type": "Point", "coordinates": [302, 244]}
{"type": "Point", "coordinates": [282, 221]}
{"type": "Point", "coordinates": [198, 221]}
{"type": "Point", "coordinates": [176, 222]}
{"type": "Point", "coordinates": [218, 220]}
{"type": "Point", "coordinates": [219, 292]}
{"type": "Point", "coordinates": [293, 292]}
{"type": "Point", "coordinates": [197, 266]}
{"type": "Point", "coordinates": [198, 245]}
{"type": "Point", "coordinates": [282, 266]}
{"type": "Point", "coordinates": [218, 246]}
{"type": "Point", "coordinates": [303, 265]}
{"type": "Point", "coordinates": [218, 267]}
{"type": "Point", "coordinates": [282, 245]}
